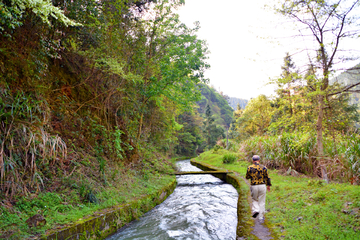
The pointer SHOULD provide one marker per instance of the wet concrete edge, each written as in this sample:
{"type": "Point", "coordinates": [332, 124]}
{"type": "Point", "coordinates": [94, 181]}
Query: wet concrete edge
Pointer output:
{"type": "Point", "coordinates": [247, 227]}
{"type": "Point", "coordinates": [108, 221]}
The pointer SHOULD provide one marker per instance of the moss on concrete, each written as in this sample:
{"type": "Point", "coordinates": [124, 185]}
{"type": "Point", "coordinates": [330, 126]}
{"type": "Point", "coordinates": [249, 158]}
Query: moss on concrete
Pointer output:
{"type": "Point", "coordinates": [109, 221]}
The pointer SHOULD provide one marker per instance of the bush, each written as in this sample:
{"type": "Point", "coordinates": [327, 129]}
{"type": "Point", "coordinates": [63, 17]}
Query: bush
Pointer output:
{"type": "Point", "coordinates": [298, 151]}
{"type": "Point", "coordinates": [231, 145]}
{"type": "Point", "coordinates": [229, 158]}
{"type": "Point", "coordinates": [216, 148]}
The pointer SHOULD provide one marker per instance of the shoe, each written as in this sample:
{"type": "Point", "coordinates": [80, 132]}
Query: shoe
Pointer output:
{"type": "Point", "coordinates": [255, 214]}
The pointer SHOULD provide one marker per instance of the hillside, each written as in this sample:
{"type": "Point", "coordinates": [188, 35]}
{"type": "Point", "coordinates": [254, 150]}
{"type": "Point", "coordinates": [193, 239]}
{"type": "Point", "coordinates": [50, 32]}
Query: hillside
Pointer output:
{"type": "Point", "coordinates": [221, 109]}
{"type": "Point", "coordinates": [90, 92]}
{"type": "Point", "coordinates": [348, 77]}
{"type": "Point", "coordinates": [233, 102]}
{"type": "Point", "coordinates": [201, 128]}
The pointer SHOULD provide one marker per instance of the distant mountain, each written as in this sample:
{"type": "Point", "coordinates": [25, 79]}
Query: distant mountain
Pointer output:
{"type": "Point", "coordinates": [233, 102]}
{"type": "Point", "coordinates": [348, 77]}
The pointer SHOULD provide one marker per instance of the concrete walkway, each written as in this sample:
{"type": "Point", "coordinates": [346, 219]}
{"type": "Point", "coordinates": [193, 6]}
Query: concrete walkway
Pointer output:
{"type": "Point", "coordinates": [259, 229]}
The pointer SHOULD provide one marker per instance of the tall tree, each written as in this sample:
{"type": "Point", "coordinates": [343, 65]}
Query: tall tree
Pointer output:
{"type": "Point", "coordinates": [233, 133]}
{"type": "Point", "coordinates": [288, 78]}
{"type": "Point", "coordinates": [290, 103]}
{"type": "Point", "coordinates": [256, 117]}
{"type": "Point", "coordinates": [329, 23]}
{"type": "Point", "coordinates": [208, 125]}
{"type": "Point", "coordinates": [174, 61]}
{"type": "Point", "coordinates": [212, 132]}
{"type": "Point", "coordinates": [190, 135]}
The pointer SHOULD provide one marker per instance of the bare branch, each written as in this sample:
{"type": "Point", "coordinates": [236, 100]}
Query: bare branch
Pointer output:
{"type": "Point", "coordinates": [330, 14]}
{"type": "Point", "coordinates": [346, 89]}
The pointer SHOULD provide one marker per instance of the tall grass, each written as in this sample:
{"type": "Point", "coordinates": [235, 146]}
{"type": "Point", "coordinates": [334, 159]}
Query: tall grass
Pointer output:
{"type": "Point", "coordinates": [229, 158]}
{"type": "Point", "coordinates": [298, 151]}
{"type": "Point", "coordinates": [352, 156]}
{"type": "Point", "coordinates": [25, 146]}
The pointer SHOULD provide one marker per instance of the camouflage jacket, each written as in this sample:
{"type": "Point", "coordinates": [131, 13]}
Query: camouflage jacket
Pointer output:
{"type": "Point", "coordinates": [258, 174]}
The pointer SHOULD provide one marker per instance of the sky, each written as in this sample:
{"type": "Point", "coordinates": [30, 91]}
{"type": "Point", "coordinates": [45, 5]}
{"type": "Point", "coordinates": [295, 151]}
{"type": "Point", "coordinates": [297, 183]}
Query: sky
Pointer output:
{"type": "Point", "coordinates": [244, 56]}
{"type": "Point", "coordinates": [247, 41]}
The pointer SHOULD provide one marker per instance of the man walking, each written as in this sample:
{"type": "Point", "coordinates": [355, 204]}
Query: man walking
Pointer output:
{"type": "Point", "coordinates": [260, 181]}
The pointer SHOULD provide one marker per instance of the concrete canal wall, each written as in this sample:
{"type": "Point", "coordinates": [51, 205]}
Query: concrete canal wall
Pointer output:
{"type": "Point", "coordinates": [107, 222]}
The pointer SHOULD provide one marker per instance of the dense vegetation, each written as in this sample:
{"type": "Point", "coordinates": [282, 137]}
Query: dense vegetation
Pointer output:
{"type": "Point", "coordinates": [112, 84]}
{"type": "Point", "coordinates": [283, 130]}
{"type": "Point", "coordinates": [205, 126]}
{"type": "Point", "coordinates": [95, 97]}
{"type": "Point", "coordinates": [310, 125]}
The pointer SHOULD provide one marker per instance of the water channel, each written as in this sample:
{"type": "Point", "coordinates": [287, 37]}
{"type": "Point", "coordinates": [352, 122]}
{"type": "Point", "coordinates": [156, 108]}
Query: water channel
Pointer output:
{"type": "Point", "coordinates": [201, 207]}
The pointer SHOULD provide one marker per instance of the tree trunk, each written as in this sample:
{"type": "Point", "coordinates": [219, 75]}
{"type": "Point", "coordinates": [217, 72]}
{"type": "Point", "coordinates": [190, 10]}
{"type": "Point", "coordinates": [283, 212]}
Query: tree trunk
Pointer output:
{"type": "Point", "coordinates": [227, 138]}
{"type": "Point", "coordinates": [319, 137]}
{"type": "Point", "coordinates": [140, 126]}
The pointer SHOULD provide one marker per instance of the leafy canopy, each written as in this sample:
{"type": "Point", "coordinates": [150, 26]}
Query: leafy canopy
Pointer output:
{"type": "Point", "coordinates": [12, 13]}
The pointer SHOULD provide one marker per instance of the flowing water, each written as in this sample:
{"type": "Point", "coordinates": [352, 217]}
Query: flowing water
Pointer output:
{"type": "Point", "coordinates": [201, 207]}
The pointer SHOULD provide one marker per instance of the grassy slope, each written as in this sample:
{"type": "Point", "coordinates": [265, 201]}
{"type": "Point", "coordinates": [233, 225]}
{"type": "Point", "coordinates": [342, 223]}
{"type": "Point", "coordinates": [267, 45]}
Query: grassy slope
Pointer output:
{"type": "Point", "coordinates": [64, 206]}
{"type": "Point", "coordinates": [302, 207]}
